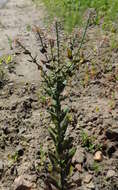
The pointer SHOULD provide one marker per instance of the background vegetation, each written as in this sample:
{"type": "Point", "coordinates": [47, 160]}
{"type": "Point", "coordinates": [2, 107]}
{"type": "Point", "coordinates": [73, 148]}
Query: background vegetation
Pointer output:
{"type": "Point", "coordinates": [73, 11]}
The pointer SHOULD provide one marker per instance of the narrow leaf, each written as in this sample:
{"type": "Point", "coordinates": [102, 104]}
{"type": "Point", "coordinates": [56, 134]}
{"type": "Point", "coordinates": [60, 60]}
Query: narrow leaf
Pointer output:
{"type": "Point", "coordinates": [53, 136]}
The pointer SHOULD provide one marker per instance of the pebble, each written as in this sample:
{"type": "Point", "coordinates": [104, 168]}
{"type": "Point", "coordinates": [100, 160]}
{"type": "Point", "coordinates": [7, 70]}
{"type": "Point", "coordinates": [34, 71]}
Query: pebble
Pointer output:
{"type": "Point", "coordinates": [22, 130]}
{"type": "Point", "coordinates": [87, 178]}
{"type": "Point", "coordinates": [78, 167]}
{"type": "Point", "coordinates": [110, 174]}
{"type": "Point", "coordinates": [98, 156]}
{"type": "Point", "coordinates": [91, 186]}
{"type": "Point", "coordinates": [76, 178]}
{"type": "Point", "coordinates": [21, 183]}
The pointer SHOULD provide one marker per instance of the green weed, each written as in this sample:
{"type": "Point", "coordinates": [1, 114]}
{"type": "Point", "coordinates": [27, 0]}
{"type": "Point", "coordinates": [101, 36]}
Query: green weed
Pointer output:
{"type": "Point", "coordinates": [89, 142]}
{"type": "Point", "coordinates": [42, 156]}
{"type": "Point", "coordinates": [10, 42]}
{"type": "Point", "coordinates": [72, 11]}
{"type": "Point", "coordinates": [4, 67]}
{"type": "Point", "coordinates": [96, 167]}
{"type": "Point", "coordinates": [59, 62]}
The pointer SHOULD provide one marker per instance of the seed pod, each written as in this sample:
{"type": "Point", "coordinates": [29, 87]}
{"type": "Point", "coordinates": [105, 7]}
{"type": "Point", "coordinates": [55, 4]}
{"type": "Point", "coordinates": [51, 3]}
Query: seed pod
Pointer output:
{"type": "Point", "coordinates": [69, 53]}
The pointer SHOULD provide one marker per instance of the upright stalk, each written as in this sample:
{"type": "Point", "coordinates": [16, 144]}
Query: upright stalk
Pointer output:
{"type": "Point", "coordinates": [55, 73]}
{"type": "Point", "coordinates": [58, 43]}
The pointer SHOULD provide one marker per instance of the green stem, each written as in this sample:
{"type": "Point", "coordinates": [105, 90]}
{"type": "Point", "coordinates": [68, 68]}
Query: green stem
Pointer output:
{"type": "Point", "coordinates": [83, 37]}
{"type": "Point", "coordinates": [58, 112]}
{"type": "Point", "coordinates": [58, 44]}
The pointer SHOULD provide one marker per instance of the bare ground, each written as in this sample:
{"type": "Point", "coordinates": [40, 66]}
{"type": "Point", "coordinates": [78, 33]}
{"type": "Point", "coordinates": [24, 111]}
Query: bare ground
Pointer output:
{"type": "Point", "coordinates": [14, 18]}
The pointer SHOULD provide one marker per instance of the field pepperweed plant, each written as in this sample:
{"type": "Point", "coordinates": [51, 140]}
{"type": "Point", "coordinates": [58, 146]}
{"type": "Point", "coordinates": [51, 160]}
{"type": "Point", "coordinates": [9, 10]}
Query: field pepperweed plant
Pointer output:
{"type": "Point", "coordinates": [59, 62]}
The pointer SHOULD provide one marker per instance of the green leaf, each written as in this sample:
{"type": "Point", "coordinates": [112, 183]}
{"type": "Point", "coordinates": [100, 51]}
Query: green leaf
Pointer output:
{"type": "Point", "coordinates": [71, 170]}
{"type": "Point", "coordinates": [71, 152]}
{"type": "Point", "coordinates": [54, 182]}
{"type": "Point", "coordinates": [53, 158]}
{"type": "Point", "coordinates": [48, 91]}
{"type": "Point", "coordinates": [64, 125]}
{"type": "Point", "coordinates": [64, 113]}
{"type": "Point", "coordinates": [8, 59]}
{"type": "Point", "coordinates": [54, 130]}
{"type": "Point", "coordinates": [53, 115]}
{"type": "Point", "coordinates": [9, 42]}
{"type": "Point", "coordinates": [28, 28]}
{"type": "Point", "coordinates": [52, 134]}
{"type": "Point", "coordinates": [1, 61]}
{"type": "Point", "coordinates": [51, 111]}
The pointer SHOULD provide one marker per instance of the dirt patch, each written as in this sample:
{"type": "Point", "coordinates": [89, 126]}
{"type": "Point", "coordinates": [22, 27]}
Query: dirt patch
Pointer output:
{"type": "Point", "coordinates": [15, 17]}
{"type": "Point", "coordinates": [19, 97]}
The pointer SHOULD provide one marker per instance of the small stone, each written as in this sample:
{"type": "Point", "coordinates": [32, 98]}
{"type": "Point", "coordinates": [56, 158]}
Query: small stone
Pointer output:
{"type": "Point", "coordinates": [110, 174]}
{"type": "Point", "coordinates": [79, 156]}
{"type": "Point", "coordinates": [76, 178]}
{"type": "Point", "coordinates": [78, 167]}
{"type": "Point", "coordinates": [21, 183]}
{"type": "Point", "coordinates": [87, 178]}
{"type": "Point", "coordinates": [91, 186]}
{"type": "Point", "coordinates": [20, 150]}
{"type": "Point", "coordinates": [22, 130]}
{"type": "Point", "coordinates": [98, 156]}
